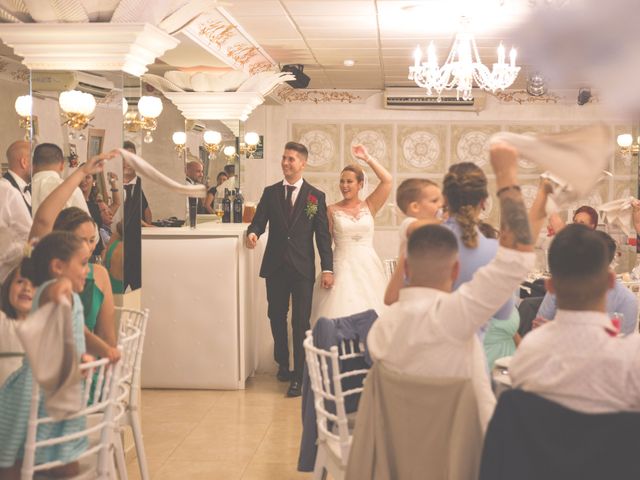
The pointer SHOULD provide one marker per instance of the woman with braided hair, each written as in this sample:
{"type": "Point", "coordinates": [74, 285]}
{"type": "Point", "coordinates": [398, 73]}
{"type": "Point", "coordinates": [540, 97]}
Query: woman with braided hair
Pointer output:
{"type": "Point", "coordinates": [465, 192]}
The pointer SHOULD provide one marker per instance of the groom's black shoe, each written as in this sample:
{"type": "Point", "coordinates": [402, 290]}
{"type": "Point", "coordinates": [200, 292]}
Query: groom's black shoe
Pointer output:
{"type": "Point", "coordinates": [295, 389]}
{"type": "Point", "coordinates": [284, 375]}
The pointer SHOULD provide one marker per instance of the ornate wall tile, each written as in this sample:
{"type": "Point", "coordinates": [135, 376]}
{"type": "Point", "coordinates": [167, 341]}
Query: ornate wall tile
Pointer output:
{"type": "Point", "coordinates": [384, 218]}
{"type": "Point", "coordinates": [625, 187]}
{"type": "Point", "coordinates": [323, 143]}
{"type": "Point", "coordinates": [376, 138]}
{"type": "Point", "coordinates": [471, 144]}
{"type": "Point", "coordinates": [329, 184]}
{"type": "Point", "coordinates": [421, 148]}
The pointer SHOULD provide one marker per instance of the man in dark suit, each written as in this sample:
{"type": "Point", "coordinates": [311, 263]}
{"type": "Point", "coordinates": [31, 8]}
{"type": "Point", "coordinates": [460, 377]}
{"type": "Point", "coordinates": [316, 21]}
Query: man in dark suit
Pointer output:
{"type": "Point", "coordinates": [19, 172]}
{"type": "Point", "coordinates": [295, 211]}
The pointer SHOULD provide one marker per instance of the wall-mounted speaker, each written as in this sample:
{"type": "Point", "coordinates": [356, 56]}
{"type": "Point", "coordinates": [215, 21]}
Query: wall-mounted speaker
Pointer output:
{"type": "Point", "coordinates": [302, 80]}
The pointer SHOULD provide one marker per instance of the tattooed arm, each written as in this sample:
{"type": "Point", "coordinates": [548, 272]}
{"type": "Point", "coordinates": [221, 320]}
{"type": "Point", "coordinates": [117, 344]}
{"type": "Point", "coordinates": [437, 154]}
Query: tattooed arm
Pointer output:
{"type": "Point", "coordinates": [515, 232]}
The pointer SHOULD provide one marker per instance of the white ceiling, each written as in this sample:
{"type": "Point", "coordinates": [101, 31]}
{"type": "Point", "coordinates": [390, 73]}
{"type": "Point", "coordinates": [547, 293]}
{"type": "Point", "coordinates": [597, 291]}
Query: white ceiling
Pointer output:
{"type": "Point", "coordinates": [380, 35]}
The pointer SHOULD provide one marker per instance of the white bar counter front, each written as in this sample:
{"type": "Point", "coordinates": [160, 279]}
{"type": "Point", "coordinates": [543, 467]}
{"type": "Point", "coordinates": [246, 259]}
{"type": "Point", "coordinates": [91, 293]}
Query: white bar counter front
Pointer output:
{"type": "Point", "coordinates": [198, 285]}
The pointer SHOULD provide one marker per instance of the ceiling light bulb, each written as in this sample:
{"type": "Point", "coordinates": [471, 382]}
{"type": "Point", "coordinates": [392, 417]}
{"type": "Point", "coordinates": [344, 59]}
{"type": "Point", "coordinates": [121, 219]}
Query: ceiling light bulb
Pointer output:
{"type": "Point", "coordinates": [229, 150]}
{"type": "Point", "coordinates": [349, 63]}
{"type": "Point", "coordinates": [212, 137]}
{"type": "Point", "coordinates": [150, 107]}
{"type": "Point", "coordinates": [179, 138]}
{"type": "Point", "coordinates": [125, 106]}
{"type": "Point", "coordinates": [625, 140]}
{"type": "Point", "coordinates": [23, 105]}
{"type": "Point", "coordinates": [251, 138]}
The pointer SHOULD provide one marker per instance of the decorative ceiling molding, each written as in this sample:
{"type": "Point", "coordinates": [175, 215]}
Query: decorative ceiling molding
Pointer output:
{"type": "Point", "coordinates": [128, 47]}
{"type": "Point", "coordinates": [522, 97]}
{"type": "Point", "coordinates": [287, 94]}
{"type": "Point", "coordinates": [219, 34]}
{"type": "Point", "coordinates": [215, 105]}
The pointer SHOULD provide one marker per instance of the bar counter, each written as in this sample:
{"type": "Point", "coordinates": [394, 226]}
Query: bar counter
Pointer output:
{"type": "Point", "coordinates": [198, 284]}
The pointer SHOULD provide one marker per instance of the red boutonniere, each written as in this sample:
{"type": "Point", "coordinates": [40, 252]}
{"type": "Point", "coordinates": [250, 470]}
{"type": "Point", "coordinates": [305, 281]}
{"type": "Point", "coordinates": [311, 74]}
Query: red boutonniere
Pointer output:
{"type": "Point", "coordinates": [312, 206]}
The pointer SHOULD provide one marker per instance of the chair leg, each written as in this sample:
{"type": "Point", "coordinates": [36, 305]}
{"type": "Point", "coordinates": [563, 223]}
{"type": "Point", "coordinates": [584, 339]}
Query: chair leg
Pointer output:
{"type": "Point", "coordinates": [121, 462]}
{"type": "Point", "coordinates": [319, 472]}
{"type": "Point", "coordinates": [136, 427]}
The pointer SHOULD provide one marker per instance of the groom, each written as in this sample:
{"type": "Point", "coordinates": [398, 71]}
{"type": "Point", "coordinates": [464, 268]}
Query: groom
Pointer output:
{"type": "Point", "coordinates": [295, 211]}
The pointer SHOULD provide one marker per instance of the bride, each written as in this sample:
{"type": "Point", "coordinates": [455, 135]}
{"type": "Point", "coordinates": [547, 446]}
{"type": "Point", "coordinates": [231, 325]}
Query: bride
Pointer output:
{"type": "Point", "coordinates": [359, 280]}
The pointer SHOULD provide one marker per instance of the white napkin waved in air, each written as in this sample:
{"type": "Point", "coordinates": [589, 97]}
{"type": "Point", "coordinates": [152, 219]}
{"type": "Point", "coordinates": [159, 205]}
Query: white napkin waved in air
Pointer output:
{"type": "Point", "coordinates": [47, 338]}
{"type": "Point", "coordinates": [148, 171]}
{"type": "Point", "coordinates": [619, 212]}
{"type": "Point", "coordinates": [575, 160]}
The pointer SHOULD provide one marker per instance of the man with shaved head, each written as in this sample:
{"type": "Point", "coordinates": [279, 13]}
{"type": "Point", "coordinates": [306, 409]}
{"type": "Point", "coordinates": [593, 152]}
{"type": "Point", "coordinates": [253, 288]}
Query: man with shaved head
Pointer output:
{"type": "Point", "coordinates": [195, 174]}
{"type": "Point", "coordinates": [19, 172]}
{"type": "Point", "coordinates": [431, 330]}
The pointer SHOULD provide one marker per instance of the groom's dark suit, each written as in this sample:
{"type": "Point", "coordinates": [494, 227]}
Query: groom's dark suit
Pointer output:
{"type": "Point", "coordinates": [289, 263]}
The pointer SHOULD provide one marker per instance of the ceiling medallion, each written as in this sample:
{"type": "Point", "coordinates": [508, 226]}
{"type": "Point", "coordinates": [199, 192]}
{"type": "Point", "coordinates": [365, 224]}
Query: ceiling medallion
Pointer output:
{"type": "Point", "coordinates": [462, 68]}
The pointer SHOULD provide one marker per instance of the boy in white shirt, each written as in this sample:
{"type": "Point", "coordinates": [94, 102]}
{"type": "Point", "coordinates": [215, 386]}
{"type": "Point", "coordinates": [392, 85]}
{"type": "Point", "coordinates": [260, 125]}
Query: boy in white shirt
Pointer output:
{"type": "Point", "coordinates": [421, 201]}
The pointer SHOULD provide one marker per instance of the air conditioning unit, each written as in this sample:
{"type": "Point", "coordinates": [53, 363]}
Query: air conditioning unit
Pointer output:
{"type": "Point", "coordinates": [416, 99]}
{"type": "Point", "coordinates": [56, 82]}
{"type": "Point", "coordinates": [194, 126]}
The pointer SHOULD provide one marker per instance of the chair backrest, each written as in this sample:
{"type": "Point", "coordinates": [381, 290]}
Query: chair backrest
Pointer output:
{"type": "Point", "coordinates": [414, 427]}
{"type": "Point", "coordinates": [138, 319]}
{"type": "Point", "coordinates": [98, 397]}
{"type": "Point", "coordinates": [128, 343]}
{"type": "Point", "coordinates": [390, 265]}
{"type": "Point", "coordinates": [326, 384]}
{"type": "Point", "coordinates": [530, 437]}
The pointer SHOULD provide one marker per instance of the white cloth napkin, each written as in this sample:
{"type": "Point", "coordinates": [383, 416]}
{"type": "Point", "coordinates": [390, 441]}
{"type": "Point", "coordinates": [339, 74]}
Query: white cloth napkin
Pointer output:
{"type": "Point", "coordinates": [47, 338]}
{"type": "Point", "coordinates": [146, 170]}
{"type": "Point", "coordinates": [619, 212]}
{"type": "Point", "coordinates": [574, 160]}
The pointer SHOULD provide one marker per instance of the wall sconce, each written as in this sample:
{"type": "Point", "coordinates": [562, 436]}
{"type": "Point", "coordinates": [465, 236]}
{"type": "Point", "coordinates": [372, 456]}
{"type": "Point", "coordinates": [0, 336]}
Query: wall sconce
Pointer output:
{"type": "Point", "coordinates": [23, 108]}
{"type": "Point", "coordinates": [179, 140]}
{"type": "Point", "coordinates": [77, 108]}
{"type": "Point", "coordinates": [230, 153]}
{"type": "Point", "coordinates": [251, 141]}
{"type": "Point", "coordinates": [125, 106]}
{"type": "Point", "coordinates": [149, 109]}
{"type": "Point", "coordinates": [212, 141]}
{"type": "Point", "coordinates": [626, 145]}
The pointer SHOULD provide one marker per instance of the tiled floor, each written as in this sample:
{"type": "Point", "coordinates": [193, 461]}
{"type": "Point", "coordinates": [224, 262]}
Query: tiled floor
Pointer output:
{"type": "Point", "coordinates": [251, 434]}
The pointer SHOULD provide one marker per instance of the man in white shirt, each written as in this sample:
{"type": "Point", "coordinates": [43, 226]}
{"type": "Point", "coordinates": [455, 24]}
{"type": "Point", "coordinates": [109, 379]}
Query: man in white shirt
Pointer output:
{"type": "Point", "coordinates": [48, 164]}
{"type": "Point", "coordinates": [19, 172]}
{"type": "Point", "coordinates": [15, 223]}
{"type": "Point", "coordinates": [431, 331]}
{"type": "Point", "coordinates": [577, 360]}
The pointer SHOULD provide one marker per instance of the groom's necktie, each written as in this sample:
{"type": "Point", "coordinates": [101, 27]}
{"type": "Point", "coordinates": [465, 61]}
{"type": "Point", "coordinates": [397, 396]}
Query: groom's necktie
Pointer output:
{"type": "Point", "coordinates": [289, 197]}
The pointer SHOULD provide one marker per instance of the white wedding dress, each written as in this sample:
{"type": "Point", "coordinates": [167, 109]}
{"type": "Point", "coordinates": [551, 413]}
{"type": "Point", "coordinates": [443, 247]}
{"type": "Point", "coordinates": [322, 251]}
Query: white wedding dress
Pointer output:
{"type": "Point", "coordinates": [359, 280]}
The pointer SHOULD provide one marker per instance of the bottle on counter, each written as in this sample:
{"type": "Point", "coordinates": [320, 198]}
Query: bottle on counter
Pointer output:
{"type": "Point", "coordinates": [237, 207]}
{"type": "Point", "coordinates": [226, 207]}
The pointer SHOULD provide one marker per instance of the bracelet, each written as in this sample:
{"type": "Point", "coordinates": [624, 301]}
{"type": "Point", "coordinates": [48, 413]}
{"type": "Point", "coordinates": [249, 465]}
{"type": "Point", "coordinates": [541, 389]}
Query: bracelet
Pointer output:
{"type": "Point", "coordinates": [114, 189]}
{"type": "Point", "coordinates": [510, 187]}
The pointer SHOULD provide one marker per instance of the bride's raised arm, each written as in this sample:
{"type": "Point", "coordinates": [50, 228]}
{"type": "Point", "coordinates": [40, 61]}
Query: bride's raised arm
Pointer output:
{"type": "Point", "coordinates": [377, 198]}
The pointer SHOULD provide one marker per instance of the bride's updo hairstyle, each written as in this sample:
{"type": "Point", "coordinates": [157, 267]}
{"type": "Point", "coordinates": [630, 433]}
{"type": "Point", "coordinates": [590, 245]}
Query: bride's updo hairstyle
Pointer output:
{"type": "Point", "coordinates": [464, 187]}
{"type": "Point", "coordinates": [356, 169]}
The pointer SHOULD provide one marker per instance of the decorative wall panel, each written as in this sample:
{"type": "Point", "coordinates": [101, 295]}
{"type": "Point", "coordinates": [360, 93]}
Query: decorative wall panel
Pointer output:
{"type": "Point", "coordinates": [425, 150]}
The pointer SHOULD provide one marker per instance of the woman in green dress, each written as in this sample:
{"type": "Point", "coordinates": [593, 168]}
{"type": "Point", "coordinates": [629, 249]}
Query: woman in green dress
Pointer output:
{"type": "Point", "coordinates": [97, 296]}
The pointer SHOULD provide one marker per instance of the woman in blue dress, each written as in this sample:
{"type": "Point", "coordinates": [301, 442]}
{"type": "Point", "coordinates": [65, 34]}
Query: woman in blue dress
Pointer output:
{"type": "Point", "coordinates": [465, 192]}
{"type": "Point", "coordinates": [58, 268]}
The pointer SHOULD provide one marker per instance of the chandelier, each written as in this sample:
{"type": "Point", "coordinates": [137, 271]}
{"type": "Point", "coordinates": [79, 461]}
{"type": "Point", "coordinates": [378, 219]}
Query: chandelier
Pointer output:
{"type": "Point", "coordinates": [462, 68]}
